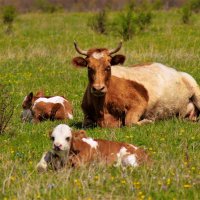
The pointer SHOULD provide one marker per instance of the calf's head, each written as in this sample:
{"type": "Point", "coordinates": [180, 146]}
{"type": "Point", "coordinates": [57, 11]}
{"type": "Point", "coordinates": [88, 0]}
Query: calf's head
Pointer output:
{"type": "Point", "coordinates": [27, 104]}
{"type": "Point", "coordinates": [61, 137]}
{"type": "Point", "coordinates": [98, 62]}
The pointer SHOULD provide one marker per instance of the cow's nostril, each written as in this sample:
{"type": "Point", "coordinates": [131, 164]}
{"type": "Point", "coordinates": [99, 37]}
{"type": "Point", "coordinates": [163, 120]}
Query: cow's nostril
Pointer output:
{"type": "Point", "coordinates": [94, 89]}
{"type": "Point", "coordinates": [98, 88]}
{"type": "Point", "coordinates": [57, 147]}
{"type": "Point", "coordinates": [102, 88]}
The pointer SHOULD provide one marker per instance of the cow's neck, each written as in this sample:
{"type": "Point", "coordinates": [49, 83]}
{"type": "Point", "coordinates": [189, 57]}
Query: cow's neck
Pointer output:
{"type": "Point", "coordinates": [99, 105]}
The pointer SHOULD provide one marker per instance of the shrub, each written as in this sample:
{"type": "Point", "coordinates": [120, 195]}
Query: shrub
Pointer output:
{"type": "Point", "coordinates": [46, 6]}
{"type": "Point", "coordinates": [127, 23]}
{"type": "Point", "coordinates": [6, 108]}
{"type": "Point", "coordinates": [195, 5]}
{"type": "Point", "coordinates": [144, 19]}
{"type": "Point", "coordinates": [9, 15]}
{"type": "Point", "coordinates": [98, 22]}
{"type": "Point", "coordinates": [133, 20]}
{"type": "Point", "coordinates": [157, 4]}
{"type": "Point", "coordinates": [186, 14]}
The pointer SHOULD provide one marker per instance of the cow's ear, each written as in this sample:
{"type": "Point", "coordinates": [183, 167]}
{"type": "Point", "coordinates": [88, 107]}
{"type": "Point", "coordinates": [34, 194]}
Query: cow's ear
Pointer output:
{"type": "Point", "coordinates": [118, 59]}
{"type": "Point", "coordinates": [40, 93]}
{"type": "Point", "coordinates": [30, 96]}
{"type": "Point", "coordinates": [79, 62]}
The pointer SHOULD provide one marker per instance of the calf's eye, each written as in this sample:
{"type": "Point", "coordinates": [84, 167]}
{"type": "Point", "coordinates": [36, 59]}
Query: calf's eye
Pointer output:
{"type": "Point", "coordinates": [68, 139]}
{"type": "Point", "coordinates": [52, 138]}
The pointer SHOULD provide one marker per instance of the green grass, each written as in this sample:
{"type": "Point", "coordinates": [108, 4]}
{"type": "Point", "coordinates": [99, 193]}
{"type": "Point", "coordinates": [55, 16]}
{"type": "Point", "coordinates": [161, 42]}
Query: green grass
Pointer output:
{"type": "Point", "coordinates": [38, 56]}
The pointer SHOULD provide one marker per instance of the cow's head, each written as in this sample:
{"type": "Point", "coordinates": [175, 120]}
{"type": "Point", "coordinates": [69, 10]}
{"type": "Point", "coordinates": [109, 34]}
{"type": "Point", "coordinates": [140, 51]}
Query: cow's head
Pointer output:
{"type": "Point", "coordinates": [99, 62]}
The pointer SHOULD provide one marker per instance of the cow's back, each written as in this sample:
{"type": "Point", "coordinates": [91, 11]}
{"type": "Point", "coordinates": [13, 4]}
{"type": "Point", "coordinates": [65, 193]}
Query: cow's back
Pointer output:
{"type": "Point", "coordinates": [168, 94]}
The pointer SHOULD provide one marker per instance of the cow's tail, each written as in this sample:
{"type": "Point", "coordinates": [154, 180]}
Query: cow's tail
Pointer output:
{"type": "Point", "coordinates": [54, 110]}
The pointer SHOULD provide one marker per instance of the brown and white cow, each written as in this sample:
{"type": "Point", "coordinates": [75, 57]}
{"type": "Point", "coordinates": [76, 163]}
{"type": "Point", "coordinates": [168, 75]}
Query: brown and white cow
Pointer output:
{"type": "Point", "coordinates": [76, 149]}
{"type": "Point", "coordinates": [110, 101]}
{"type": "Point", "coordinates": [38, 108]}
{"type": "Point", "coordinates": [140, 94]}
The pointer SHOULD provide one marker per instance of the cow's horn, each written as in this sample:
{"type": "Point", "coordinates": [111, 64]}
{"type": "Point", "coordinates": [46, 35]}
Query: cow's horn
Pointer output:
{"type": "Point", "coordinates": [82, 52]}
{"type": "Point", "coordinates": [112, 51]}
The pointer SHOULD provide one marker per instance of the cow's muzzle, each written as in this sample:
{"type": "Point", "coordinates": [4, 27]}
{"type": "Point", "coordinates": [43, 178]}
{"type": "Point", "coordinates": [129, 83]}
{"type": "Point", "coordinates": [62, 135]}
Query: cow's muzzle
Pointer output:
{"type": "Point", "coordinates": [98, 90]}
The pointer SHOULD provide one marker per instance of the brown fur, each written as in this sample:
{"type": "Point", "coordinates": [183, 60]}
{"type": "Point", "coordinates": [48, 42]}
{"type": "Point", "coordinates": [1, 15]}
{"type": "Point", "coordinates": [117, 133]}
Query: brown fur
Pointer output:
{"type": "Point", "coordinates": [106, 152]}
{"type": "Point", "coordinates": [110, 101]}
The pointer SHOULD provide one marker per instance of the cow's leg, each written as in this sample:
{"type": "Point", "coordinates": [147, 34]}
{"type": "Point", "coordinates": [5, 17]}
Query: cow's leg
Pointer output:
{"type": "Point", "coordinates": [191, 112]}
{"type": "Point", "coordinates": [58, 112]}
{"type": "Point", "coordinates": [133, 116]}
{"type": "Point", "coordinates": [196, 100]}
{"type": "Point", "coordinates": [145, 121]}
{"type": "Point", "coordinates": [109, 121]}
{"type": "Point", "coordinates": [88, 111]}
{"type": "Point", "coordinates": [45, 160]}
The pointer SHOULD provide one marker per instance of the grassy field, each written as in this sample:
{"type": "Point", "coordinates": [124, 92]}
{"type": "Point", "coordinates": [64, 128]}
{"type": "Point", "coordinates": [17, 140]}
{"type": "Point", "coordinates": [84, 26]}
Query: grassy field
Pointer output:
{"type": "Point", "coordinates": [38, 56]}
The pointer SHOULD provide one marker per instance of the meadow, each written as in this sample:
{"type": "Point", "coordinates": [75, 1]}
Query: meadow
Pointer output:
{"type": "Point", "coordinates": [38, 54]}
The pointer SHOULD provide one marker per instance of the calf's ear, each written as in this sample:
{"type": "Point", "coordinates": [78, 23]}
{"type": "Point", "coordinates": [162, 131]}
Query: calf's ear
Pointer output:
{"type": "Point", "coordinates": [79, 134]}
{"type": "Point", "coordinates": [118, 59]}
{"type": "Point", "coordinates": [30, 96]}
{"type": "Point", "coordinates": [79, 62]}
{"type": "Point", "coordinates": [40, 93]}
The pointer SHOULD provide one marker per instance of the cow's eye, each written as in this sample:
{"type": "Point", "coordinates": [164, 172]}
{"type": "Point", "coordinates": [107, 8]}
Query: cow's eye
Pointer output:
{"type": "Point", "coordinates": [52, 138]}
{"type": "Point", "coordinates": [107, 69]}
{"type": "Point", "coordinates": [68, 139]}
{"type": "Point", "coordinates": [90, 70]}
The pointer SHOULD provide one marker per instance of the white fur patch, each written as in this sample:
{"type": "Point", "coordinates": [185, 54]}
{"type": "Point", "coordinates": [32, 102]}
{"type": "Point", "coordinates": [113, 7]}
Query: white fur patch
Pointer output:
{"type": "Point", "coordinates": [122, 152]}
{"type": "Point", "coordinates": [56, 99]}
{"type": "Point", "coordinates": [42, 165]}
{"type": "Point", "coordinates": [91, 142]}
{"type": "Point", "coordinates": [133, 146]}
{"type": "Point", "coordinates": [124, 158]}
{"type": "Point", "coordinates": [70, 116]}
{"type": "Point", "coordinates": [130, 160]}
{"type": "Point", "coordinates": [97, 55]}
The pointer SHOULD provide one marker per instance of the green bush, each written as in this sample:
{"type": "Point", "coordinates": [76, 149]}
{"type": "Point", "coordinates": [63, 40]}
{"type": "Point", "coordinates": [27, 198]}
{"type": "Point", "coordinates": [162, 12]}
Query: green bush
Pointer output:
{"type": "Point", "coordinates": [46, 6]}
{"type": "Point", "coordinates": [195, 5]}
{"type": "Point", "coordinates": [126, 23]}
{"type": "Point", "coordinates": [9, 14]}
{"type": "Point", "coordinates": [6, 108]}
{"type": "Point", "coordinates": [144, 19]}
{"type": "Point", "coordinates": [133, 20]}
{"type": "Point", "coordinates": [98, 22]}
{"type": "Point", "coordinates": [157, 4]}
{"type": "Point", "coordinates": [186, 14]}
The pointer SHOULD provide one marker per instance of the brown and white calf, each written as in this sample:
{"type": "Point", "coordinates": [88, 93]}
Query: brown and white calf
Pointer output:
{"type": "Point", "coordinates": [120, 95]}
{"type": "Point", "coordinates": [85, 150]}
{"type": "Point", "coordinates": [76, 149]}
{"type": "Point", "coordinates": [38, 108]}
